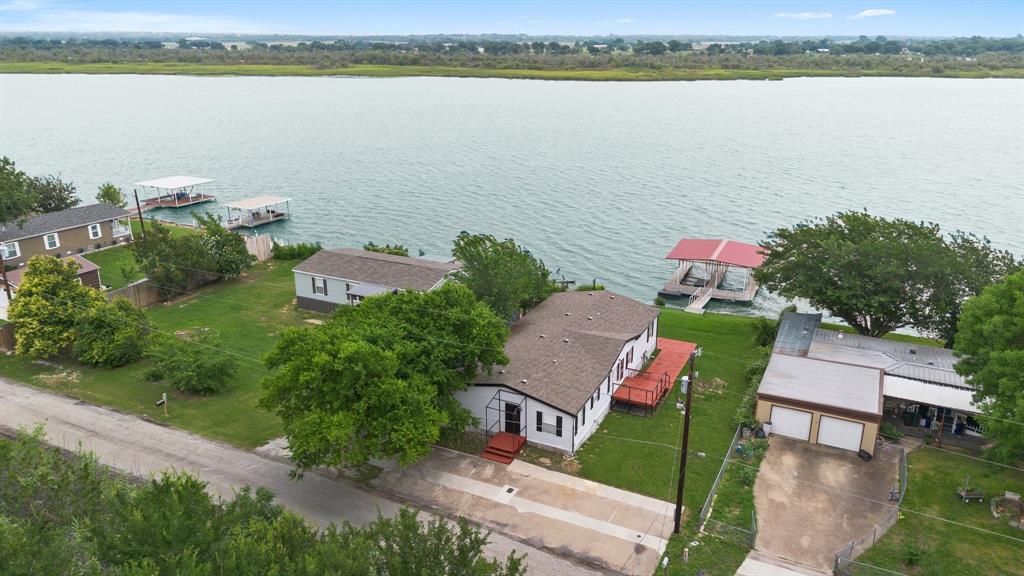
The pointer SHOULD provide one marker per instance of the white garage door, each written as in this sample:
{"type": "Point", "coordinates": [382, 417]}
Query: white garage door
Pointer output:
{"type": "Point", "coordinates": [840, 433]}
{"type": "Point", "coordinates": [792, 423]}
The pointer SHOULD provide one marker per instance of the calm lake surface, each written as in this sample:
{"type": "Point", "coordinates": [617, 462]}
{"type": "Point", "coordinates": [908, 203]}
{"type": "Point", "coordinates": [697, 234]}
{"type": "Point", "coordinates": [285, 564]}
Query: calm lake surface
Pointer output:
{"type": "Point", "coordinates": [598, 179]}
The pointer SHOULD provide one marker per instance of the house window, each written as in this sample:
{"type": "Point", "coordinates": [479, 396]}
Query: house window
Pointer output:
{"type": "Point", "coordinates": [540, 421]}
{"type": "Point", "coordinates": [591, 402]}
{"type": "Point", "coordinates": [51, 241]}
{"type": "Point", "coordinates": [618, 371]}
{"type": "Point", "coordinates": [629, 357]}
{"type": "Point", "coordinates": [608, 384]}
{"type": "Point", "coordinates": [583, 417]}
{"type": "Point", "coordinates": [95, 231]}
{"type": "Point", "coordinates": [558, 426]}
{"type": "Point", "coordinates": [11, 250]}
{"type": "Point", "coordinates": [79, 280]}
{"type": "Point", "coordinates": [320, 286]}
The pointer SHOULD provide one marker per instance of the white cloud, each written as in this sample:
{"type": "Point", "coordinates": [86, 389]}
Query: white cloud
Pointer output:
{"type": "Point", "coordinates": [803, 15]}
{"type": "Point", "coordinates": [873, 13]}
{"type": "Point", "coordinates": [128, 21]}
{"type": "Point", "coordinates": [623, 20]}
{"type": "Point", "coordinates": [20, 5]}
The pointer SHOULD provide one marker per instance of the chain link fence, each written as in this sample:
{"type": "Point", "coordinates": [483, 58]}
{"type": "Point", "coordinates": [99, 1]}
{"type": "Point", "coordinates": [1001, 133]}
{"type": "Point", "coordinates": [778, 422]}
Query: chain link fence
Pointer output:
{"type": "Point", "coordinates": [845, 559]}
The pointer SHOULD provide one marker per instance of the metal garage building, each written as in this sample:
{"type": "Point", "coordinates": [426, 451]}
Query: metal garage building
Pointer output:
{"type": "Point", "coordinates": [822, 402]}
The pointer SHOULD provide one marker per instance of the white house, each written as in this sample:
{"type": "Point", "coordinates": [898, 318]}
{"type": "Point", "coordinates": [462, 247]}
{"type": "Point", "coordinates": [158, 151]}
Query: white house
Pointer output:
{"type": "Point", "coordinates": [344, 276]}
{"type": "Point", "coordinates": [566, 357]}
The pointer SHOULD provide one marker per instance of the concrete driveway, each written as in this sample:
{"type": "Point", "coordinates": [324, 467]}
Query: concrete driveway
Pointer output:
{"type": "Point", "coordinates": [812, 500]}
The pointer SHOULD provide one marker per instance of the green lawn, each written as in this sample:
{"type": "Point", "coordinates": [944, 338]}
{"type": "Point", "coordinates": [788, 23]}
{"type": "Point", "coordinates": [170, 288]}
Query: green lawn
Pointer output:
{"type": "Point", "coordinates": [612, 74]}
{"type": "Point", "coordinates": [928, 547]}
{"type": "Point", "coordinates": [247, 313]}
{"type": "Point", "coordinates": [113, 263]}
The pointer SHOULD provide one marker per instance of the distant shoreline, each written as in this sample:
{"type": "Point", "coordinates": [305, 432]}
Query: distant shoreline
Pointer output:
{"type": "Point", "coordinates": [384, 71]}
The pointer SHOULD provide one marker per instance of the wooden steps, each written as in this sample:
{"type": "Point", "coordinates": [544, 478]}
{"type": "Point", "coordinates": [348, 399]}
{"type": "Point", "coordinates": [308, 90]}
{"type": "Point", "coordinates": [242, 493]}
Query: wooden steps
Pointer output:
{"type": "Point", "coordinates": [503, 447]}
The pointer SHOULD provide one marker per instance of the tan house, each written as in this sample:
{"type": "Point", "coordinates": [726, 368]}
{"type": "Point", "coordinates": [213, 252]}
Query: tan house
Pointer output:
{"type": "Point", "coordinates": [64, 233]}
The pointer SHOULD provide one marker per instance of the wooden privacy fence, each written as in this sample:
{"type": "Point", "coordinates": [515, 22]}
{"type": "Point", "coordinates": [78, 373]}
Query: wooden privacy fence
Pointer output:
{"type": "Point", "coordinates": [141, 293]}
{"type": "Point", "coordinates": [259, 246]}
{"type": "Point", "coordinates": [6, 337]}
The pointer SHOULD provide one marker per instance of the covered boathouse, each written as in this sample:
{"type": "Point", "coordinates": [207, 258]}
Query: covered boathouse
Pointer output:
{"type": "Point", "coordinates": [712, 270]}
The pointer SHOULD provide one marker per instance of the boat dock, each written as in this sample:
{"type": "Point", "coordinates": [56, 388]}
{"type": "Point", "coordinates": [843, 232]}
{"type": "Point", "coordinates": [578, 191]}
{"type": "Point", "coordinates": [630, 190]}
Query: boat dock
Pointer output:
{"type": "Point", "coordinates": [173, 192]}
{"type": "Point", "coordinates": [703, 265]}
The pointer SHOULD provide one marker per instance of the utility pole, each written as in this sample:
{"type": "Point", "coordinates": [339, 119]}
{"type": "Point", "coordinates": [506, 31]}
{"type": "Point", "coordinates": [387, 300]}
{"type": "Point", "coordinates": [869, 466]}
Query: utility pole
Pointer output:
{"type": "Point", "coordinates": [686, 443]}
{"type": "Point", "coordinates": [3, 269]}
{"type": "Point", "coordinates": [138, 208]}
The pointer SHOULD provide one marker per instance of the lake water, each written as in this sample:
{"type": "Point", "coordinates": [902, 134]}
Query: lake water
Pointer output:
{"type": "Point", "coordinates": [598, 179]}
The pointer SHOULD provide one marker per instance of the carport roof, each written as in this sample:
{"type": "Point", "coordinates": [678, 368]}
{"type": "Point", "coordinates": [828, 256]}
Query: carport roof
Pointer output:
{"type": "Point", "coordinates": [823, 383]}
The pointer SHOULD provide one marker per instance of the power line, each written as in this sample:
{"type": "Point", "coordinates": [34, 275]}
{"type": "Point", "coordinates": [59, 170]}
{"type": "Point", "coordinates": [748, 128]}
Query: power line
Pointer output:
{"type": "Point", "coordinates": [994, 463]}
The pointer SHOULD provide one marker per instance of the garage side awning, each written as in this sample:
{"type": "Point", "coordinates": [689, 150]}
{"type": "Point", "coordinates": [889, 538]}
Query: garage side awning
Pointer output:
{"type": "Point", "coordinates": [959, 399]}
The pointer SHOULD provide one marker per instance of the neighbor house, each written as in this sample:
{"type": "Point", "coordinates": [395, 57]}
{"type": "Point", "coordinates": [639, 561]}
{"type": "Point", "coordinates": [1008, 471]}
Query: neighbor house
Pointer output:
{"type": "Point", "coordinates": [344, 276]}
{"type": "Point", "coordinates": [88, 275]}
{"type": "Point", "coordinates": [836, 388]}
{"type": "Point", "coordinates": [566, 359]}
{"type": "Point", "coordinates": [65, 232]}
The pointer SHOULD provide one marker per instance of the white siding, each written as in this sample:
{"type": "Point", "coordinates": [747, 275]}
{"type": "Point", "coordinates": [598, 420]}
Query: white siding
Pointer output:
{"type": "Point", "coordinates": [642, 347]}
{"type": "Point", "coordinates": [477, 397]}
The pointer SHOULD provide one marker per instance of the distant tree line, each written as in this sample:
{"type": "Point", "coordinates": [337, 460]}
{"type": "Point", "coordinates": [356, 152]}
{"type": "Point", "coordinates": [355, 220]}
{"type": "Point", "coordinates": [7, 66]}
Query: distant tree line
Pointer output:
{"type": "Point", "coordinates": [879, 53]}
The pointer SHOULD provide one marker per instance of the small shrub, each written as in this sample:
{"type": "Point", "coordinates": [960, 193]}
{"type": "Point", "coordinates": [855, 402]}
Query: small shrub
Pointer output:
{"type": "Point", "coordinates": [299, 251]}
{"type": "Point", "coordinates": [765, 331]}
{"type": "Point", "coordinates": [913, 553]}
{"type": "Point", "coordinates": [752, 377]}
{"type": "Point", "coordinates": [659, 302]}
{"type": "Point", "coordinates": [394, 250]}
{"type": "Point", "coordinates": [747, 475]}
{"type": "Point", "coordinates": [889, 430]}
{"type": "Point", "coordinates": [592, 287]}
{"type": "Point", "coordinates": [193, 364]}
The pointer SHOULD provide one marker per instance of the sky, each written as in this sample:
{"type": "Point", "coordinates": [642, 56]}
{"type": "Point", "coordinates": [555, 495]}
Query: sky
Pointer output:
{"type": "Point", "coordinates": [335, 17]}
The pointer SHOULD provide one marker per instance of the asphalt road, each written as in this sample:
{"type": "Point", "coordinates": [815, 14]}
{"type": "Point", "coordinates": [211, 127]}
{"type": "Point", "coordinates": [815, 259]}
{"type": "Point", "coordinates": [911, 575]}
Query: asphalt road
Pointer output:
{"type": "Point", "coordinates": [144, 448]}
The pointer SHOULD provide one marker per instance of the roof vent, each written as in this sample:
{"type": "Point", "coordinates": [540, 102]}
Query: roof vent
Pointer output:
{"type": "Point", "coordinates": [501, 371]}
{"type": "Point", "coordinates": [543, 335]}
{"type": "Point", "coordinates": [912, 351]}
{"type": "Point", "coordinates": [523, 381]}
{"type": "Point", "coordinates": [590, 293]}
{"type": "Point", "coordinates": [568, 313]}
{"type": "Point", "coordinates": [612, 297]}
{"type": "Point", "coordinates": [565, 339]}
{"type": "Point", "coordinates": [555, 361]}
{"type": "Point", "coordinates": [930, 363]}
{"type": "Point", "coordinates": [590, 317]}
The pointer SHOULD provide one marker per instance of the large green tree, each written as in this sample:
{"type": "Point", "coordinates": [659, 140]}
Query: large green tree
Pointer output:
{"type": "Point", "coordinates": [111, 194]}
{"type": "Point", "coordinates": [503, 274]}
{"type": "Point", "coordinates": [49, 302]}
{"type": "Point", "coordinates": [50, 194]}
{"type": "Point", "coordinates": [378, 379]}
{"type": "Point", "coordinates": [879, 275]}
{"type": "Point", "coordinates": [110, 334]}
{"type": "Point", "coordinates": [15, 198]}
{"type": "Point", "coordinates": [990, 344]}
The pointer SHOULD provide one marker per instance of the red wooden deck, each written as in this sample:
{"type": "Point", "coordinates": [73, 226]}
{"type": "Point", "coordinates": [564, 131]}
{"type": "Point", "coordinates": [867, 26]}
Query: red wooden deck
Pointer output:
{"type": "Point", "coordinates": [503, 447]}
{"type": "Point", "coordinates": [647, 388]}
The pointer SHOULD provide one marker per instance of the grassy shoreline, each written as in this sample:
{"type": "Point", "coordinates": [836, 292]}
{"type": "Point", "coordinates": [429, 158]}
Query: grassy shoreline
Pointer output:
{"type": "Point", "coordinates": [382, 71]}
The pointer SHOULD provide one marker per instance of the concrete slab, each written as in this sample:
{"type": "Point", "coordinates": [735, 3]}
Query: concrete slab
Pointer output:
{"type": "Point", "coordinates": [611, 529]}
{"type": "Point", "coordinates": [812, 500]}
{"type": "Point", "coordinates": [761, 564]}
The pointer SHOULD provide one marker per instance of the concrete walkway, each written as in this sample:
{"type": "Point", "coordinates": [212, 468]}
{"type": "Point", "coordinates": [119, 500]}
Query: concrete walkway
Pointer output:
{"type": "Point", "coordinates": [761, 564]}
{"type": "Point", "coordinates": [143, 448]}
{"type": "Point", "coordinates": [616, 530]}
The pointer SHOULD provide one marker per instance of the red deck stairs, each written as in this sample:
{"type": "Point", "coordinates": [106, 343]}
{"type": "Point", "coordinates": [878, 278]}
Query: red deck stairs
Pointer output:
{"type": "Point", "coordinates": [503, 447]}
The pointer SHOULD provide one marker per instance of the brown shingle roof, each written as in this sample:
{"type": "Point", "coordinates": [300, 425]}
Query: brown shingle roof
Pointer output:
{"type": "Point", "coordinates": [376, 268]}
{"type": "Point", "coordinates": [84, 266]}
{"type": "Point", "coordinates": [565, 373]}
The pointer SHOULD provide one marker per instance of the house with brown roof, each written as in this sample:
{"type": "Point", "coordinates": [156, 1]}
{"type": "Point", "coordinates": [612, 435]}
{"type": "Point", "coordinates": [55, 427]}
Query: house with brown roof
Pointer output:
{"type": "Point", "coordinates": [88, 275]}
{"type": "Point", "coordinates": [567, 357]}
{"type": "Point", "coordinates": [63, 233]}
{"type": "Point", "coordinates": [345, 276]}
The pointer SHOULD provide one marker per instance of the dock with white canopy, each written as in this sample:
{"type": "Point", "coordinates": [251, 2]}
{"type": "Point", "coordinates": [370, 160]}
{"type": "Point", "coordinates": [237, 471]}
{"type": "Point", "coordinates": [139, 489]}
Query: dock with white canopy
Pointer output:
{"type": "Point", "coordinates": [253, 212]}
{"type": "Point", "coordinates": [173, 192]}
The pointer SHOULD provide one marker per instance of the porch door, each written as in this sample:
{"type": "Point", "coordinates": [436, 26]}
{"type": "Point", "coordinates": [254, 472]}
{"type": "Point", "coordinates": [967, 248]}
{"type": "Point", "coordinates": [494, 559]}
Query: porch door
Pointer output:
{"type": "Point", "coordinates": [512, 418]}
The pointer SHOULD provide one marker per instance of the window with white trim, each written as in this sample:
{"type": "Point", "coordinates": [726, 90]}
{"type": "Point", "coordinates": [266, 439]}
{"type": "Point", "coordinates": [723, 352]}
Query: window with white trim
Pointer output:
{"type": "Point", "coordinates": [95, 231]}
{"type": "Point", "coordinates": [320, 286]}
{"type": "Point", "coordinates": [11, 250]}
{"type": "Point", "coordinates": [51, 241]}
